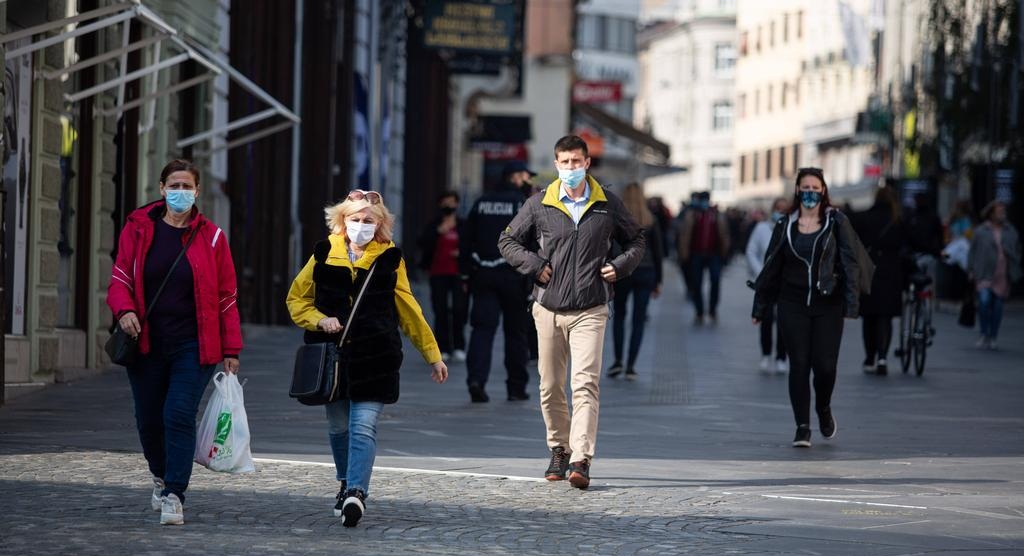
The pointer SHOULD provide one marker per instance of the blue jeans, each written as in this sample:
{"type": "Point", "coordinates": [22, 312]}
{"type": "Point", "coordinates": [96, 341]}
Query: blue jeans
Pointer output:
{"type": "Point", "coordinates": [641, 285]}
{"type": "Point", "coordinates": [352, 427]}
{"type": "Point", "coordinates": [990, 313]}
{"type": "Point", "coordinates": [167, 385]}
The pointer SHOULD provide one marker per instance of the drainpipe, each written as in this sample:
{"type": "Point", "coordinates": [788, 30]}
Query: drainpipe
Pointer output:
{"type": "Point", "coordinates": [296, 243]}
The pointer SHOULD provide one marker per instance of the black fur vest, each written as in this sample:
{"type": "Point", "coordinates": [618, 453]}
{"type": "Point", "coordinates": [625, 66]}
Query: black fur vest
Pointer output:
{"type": "Point", "coordinates": [372, 354]}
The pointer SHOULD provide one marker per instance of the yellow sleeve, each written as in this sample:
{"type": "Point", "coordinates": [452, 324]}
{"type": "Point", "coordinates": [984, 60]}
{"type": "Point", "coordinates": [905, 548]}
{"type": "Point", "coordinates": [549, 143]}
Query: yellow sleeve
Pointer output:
{"type": "Point", "coordinates": [411, 321]}
{"type": "Point", "coordinates": [300, 299]}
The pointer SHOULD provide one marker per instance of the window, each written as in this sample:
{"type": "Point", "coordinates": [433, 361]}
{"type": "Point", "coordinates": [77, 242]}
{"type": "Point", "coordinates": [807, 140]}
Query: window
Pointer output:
{"type": "Point", "coordinates": [800, 24]}
{"type": "Point", "coordinates": [591, 31]}
{"type": "Point", "coordinates": [725, 59]}
{"type": "Point", "coordinates": [754, 172]}
{"type": "Point", "coordinates": [771, 34]}
{"type": "Point", "coordinates": [785, 28]}
{"type": "Point", "coordinates": [743, 168]}
{"type": "Point", "coordinates": [613, 34]}
{"type": "Point", "coordinates": [757, 41]}
{"type": "Point", "coordinates": [768, 100]}
{"type": "Point", "coordinates": [721, 115]}
{"type": "Point", "coordinates": [783, 171]}
{"type": "Point", "coordinates": [768, 164]}
{"type": "Point", "coordinates": [742, 103]}
{"type": "Point", "coordinates": [744, 37]}
{"type": "Point", "coordinates": [726, 4]}
{"type": "Point", "coordinates": [796, 156]}
{"type": "Point", "coordinates": [796, 94]}
{"type": "Point", "coordinates": [757, 102]}
{"type": "Point", "coordinates": [721, 176]}
{"type": "Point", "coordinates": [784, 92]}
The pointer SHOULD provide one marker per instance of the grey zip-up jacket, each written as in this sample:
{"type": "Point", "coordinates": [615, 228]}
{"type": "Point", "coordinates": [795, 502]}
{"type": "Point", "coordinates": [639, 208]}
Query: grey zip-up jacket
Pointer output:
{"type": "Point", "coordinates": [576, 252]}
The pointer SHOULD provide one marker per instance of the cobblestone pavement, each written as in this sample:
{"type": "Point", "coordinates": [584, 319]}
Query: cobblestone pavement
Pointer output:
{"type": "Point", "coordinates": [98, 503]}
{"type": "Point", "coordinates": [694, 457]}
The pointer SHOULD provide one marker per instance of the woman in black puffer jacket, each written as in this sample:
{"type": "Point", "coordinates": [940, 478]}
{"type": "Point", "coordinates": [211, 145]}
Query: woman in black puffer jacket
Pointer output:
{"type": "Point", "coordinates": [812, 271]}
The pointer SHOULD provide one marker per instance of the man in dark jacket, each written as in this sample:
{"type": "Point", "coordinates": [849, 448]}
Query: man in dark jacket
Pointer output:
{"type": "Point", "coordinates": [572, 225]}
{"type": "Point", "coordinates": [497, 290]}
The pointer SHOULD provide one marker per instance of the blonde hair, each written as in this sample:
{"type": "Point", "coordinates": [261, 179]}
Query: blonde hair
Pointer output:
{"type": "Point", "coordinates": [335, 216]}
{"type": "Point", "coordinates": [636, 204]}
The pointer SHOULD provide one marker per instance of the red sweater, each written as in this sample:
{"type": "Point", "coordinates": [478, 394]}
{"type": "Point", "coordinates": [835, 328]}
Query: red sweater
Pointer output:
{"type": "Point", "coordinates": [216, 293]}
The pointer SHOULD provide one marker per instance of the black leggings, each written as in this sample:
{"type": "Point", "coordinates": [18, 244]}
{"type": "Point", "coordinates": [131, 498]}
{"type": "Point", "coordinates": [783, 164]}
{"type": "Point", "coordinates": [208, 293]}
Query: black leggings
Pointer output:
{"type": "Point", "coordinates": [812, 336]}
{"type": "Point", "coordinates": [877, 337]}
{"type": "Point", "coordinates": [767, 323]}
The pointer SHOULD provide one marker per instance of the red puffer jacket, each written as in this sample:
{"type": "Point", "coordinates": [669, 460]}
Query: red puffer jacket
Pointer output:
{"type": "Point", "coordinates": [216, 293]}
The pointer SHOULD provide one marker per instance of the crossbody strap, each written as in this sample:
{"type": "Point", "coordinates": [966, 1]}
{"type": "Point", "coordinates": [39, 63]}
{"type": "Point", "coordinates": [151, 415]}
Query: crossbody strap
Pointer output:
{"type": "Point", "coordinates": [355, 304]}
{"type": "Point", "coordinates": [168, 277]}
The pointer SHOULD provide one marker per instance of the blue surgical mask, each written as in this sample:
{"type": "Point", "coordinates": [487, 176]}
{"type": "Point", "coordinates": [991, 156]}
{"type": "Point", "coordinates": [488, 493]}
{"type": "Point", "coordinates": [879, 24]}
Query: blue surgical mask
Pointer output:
{"type": "Point", "coordinates": [572, 178]}
{"type": "Point", "coordinates": [180, 200]}
{"type": "Point", "coordinates": [810, 199]}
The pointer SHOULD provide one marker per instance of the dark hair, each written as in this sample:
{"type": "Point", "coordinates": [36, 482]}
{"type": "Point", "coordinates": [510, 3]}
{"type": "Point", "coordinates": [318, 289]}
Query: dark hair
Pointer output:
{"type": "Point", "coordinates": [571, 143]}
{"type": "Point", "coordinates": [179, 165]}
{"type": "Point", "coordinates": [986, 213]}
{"type": "Point", "coordinates": [816, 172]}
{"type": "Point", "coordinates": [886, 196]}
{"type": "Point", "coordinates": [449, 193]}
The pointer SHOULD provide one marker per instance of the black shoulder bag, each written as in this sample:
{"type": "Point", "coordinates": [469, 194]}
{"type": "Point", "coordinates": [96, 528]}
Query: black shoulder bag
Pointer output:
{"type": "Point", "coordinates": [317, 375]}
{"type": "Point", "coordinates": [121, 347]}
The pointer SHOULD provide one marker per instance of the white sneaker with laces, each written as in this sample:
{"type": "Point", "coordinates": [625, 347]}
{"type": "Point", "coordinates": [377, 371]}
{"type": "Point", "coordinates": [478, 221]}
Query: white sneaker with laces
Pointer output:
{"type": "Point", "coordinates": [781, 366]}
{"type": "Point", "coordinates": [766, 364]}
{"type": "Point", "coordinates": [158, 489]}
{"type": "Point", "coordinates": [459, 356]}
{"type": "Point", "coordinates": [171, 512]}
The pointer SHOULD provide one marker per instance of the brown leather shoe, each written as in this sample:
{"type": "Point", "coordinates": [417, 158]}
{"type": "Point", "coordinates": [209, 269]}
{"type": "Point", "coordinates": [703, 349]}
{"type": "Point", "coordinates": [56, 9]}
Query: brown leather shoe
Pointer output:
{"type": "Point", "coordinates": [579, 474]}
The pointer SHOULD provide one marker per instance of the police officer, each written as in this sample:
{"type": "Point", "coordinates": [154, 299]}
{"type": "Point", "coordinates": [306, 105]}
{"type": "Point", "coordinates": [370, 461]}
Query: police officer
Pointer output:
{"type": "Point", "coordinates": [495, 287]}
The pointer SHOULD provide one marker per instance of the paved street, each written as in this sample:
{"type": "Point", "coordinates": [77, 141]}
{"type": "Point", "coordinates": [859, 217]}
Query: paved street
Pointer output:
{"type": "Point", "coordinates": [694, 457]}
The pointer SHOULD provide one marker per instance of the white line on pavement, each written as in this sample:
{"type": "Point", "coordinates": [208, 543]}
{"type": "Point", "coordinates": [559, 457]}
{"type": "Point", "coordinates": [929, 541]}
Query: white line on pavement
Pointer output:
{"type": "Point", "coordinates": [831, 500]}
{"type": "Point", "coordinates": [897, 524]}
{"type": "Point", "coordinates": [411, 470]}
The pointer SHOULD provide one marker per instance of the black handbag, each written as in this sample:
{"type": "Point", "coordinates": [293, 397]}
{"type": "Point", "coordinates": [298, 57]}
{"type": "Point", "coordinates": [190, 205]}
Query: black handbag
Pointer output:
{"type": "Point", "coordinates": [316, 378]}
{"type": "Point", "coordinates": [968, 310]}
{"type": "Point", "coordinates": [122, 347]}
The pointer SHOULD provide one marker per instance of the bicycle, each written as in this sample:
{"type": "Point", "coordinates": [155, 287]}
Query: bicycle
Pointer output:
{"type": "Point", "coordinates": [916, 331]}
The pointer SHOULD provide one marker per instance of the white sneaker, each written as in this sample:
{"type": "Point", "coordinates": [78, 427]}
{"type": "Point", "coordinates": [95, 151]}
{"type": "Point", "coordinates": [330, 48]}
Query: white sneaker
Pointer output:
{"type": "Point", "coordinates": [982, 343]}
{"type": "Point", "coordinates": [992, 346]}
{"type": "Point", "coordinates": [766, 364]}
{"type": "Point", "coordinates": [781, 366]}
{"type": "Point", "coordinates": [459, 356]}
{"type": "Point", "coordinates": [158, 489]}
{"type": "Point", "coordinates": [352, 509]}
{"type": "Point", "coordinates": [171, 512]}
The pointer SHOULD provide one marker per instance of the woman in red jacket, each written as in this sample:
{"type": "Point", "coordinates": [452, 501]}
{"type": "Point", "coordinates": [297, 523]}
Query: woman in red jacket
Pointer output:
{"type": "Point", "coordinates": [192, 327]}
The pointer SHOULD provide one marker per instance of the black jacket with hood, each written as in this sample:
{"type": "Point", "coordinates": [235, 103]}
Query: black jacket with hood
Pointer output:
{"type": "Point", "coordinates": [838, 256]}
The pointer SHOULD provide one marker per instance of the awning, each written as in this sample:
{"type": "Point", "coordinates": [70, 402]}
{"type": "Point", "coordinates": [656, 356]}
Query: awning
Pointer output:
{"type": "Point", "coordinates": [164, 35]}
{"type": "Point", "coordinates": [623, 129]}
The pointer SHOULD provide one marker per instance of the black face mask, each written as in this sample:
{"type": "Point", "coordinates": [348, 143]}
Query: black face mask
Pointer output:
{"type": "Point", "coordinates": [447, 211]}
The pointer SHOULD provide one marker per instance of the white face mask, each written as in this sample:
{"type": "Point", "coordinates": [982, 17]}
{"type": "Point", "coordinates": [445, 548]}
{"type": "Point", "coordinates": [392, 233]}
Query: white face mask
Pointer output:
{"type": "Point", "coordinates": [360, 233]}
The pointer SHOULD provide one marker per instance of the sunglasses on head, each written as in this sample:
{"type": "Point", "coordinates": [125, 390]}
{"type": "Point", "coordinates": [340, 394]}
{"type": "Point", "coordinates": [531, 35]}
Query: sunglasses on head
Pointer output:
{"type": "Point", "coordinates": [372, 197]}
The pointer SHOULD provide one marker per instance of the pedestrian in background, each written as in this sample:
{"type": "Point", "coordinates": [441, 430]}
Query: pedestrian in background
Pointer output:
{"type": "Point", "coordinates": [812, 272]}
{"type": "Point", "coordinates": [994, 263]}
{"type": "Point", "coordinates": [321, 298]}
{"type": "Point", "coordinates": [757, 249]}
{"type": "Point", "coordinates": [881, 230]}
{"type": "Point", "coordinates": [703, 245]}
{"type": "Point", "coordinates": [561, 240]}
{"type": "Point", "coordinates": [191, 328]}
{"type": "Point", "coordinates": [439, 258]}
{"type": "Point", "coordinates": [641, 285]}
{"type": "Point", "coordinates": [497, 290]}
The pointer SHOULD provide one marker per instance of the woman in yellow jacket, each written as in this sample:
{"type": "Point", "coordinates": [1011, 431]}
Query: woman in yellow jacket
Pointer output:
{"type": "Point", "coordinates": [320, 300]}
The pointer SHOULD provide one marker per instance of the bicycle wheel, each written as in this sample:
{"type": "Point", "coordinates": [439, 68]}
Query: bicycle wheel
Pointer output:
{"type": "Point", "coordinates": [906, 341]}
{"type": "Point", "coordinates": [921, 334]}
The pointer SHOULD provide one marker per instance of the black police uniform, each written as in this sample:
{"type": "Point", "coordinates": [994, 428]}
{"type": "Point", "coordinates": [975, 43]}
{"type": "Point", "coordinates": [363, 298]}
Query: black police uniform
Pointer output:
{"type": "Point", "coordinates": [496, 289]}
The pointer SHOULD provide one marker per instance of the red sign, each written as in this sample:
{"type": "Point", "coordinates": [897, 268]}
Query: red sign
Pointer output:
{"type": "Point", "coordinates": [596, 92]}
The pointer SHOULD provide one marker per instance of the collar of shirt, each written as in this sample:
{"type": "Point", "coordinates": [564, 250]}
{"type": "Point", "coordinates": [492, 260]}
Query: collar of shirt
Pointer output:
{"type": "Point", "coordinates": [565, 198]}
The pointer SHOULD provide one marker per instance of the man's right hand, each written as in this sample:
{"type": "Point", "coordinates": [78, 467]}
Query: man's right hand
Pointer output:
{"type": "Point", "coordinates": [545, 275]}
{"type": "Point", "coordinates": [129, 322]}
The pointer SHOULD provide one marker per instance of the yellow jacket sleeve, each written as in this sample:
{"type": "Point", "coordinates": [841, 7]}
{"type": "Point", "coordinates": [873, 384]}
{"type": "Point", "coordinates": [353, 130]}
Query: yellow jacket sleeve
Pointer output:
{"type": "Point", "coordinates": [411, 321]}
{"type": "Point", "coordinates": [300, 299]}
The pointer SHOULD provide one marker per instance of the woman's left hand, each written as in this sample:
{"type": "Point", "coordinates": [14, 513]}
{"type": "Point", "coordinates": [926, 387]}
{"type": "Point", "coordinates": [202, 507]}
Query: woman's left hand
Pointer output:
{"type": "Point", "coordinates": [231, 365]}
{"type": "Point", "coordinates": [439, 372]}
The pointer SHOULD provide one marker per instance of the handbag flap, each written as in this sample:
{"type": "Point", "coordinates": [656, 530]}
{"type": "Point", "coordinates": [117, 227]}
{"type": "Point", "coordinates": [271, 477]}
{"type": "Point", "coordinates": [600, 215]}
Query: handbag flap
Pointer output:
{"type": "Point", "coordinates": [309, 375]}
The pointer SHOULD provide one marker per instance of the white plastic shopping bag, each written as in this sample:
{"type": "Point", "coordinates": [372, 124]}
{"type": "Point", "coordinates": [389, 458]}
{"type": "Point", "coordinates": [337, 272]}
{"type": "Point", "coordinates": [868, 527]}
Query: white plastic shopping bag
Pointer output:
{"type": "Point", "coordinates": [222, 439]}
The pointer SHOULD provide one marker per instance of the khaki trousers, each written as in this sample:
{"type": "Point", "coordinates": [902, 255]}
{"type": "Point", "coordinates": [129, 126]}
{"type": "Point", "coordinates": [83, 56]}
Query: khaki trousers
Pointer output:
{"type": "Point", "coordinates": [578, 335]}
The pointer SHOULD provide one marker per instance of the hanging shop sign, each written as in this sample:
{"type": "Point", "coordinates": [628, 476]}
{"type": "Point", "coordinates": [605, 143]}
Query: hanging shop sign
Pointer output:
{"type": "Point", "coordinates": [467, 26]}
